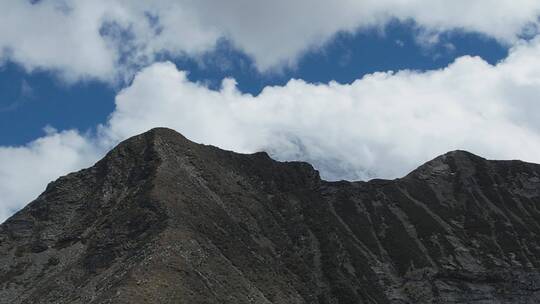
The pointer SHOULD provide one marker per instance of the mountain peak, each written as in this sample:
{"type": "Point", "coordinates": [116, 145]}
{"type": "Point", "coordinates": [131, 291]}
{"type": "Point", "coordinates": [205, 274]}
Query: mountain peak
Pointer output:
{"type": "Point", "coordinates": [162, 219]}
{"type": "Point", "coordinates": [162, 134]}
{"type": "Point", "coordinates": [448, 164]}
{"type": "Point", "coordinates": [149, 139]}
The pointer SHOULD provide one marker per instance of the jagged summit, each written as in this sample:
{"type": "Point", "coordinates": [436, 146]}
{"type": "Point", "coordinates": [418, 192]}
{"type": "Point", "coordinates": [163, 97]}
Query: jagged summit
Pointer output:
{"type": "Point", "coordinates": [448, 164]}
{"type": "Point", "coordinates": [161, 219]}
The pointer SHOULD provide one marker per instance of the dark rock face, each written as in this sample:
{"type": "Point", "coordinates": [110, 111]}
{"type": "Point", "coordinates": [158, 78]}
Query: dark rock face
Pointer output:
{"type": "Point", "coordinates": [163, 220]}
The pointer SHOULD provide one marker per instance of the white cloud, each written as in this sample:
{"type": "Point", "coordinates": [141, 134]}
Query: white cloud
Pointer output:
{"type": "Point", "coordinates": [87, 38]}
{"type": "Point", "coordinates": [50, 35]}
{"type": "Point", "coordinates": [25, 171]}
{"type": "Point", "coordinates": [382, 125]}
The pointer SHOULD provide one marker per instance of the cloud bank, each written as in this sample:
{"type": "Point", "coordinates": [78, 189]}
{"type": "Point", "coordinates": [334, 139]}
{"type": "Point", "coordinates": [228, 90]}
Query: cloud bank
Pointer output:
{"type": "Point", "coordinates": [25, 171]}
{"type": "Point", "coordinates": [382, 125]}
{"type": "Point", "coordinates": [111, 39]}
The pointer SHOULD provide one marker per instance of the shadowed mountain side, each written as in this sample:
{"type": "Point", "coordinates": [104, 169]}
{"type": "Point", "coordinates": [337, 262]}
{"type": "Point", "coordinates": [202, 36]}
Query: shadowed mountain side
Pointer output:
{"type": "Point", "coordinates": [164, 220]}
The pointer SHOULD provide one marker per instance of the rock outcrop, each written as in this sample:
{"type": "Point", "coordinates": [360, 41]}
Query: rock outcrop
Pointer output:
{"type": "Point", "coordinates": [164, 220]}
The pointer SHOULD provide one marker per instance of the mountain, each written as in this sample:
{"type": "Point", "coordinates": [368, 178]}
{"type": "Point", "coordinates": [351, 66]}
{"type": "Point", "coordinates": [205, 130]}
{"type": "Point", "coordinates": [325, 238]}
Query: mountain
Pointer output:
{"type": "Point", "coordinates": [164, 220]}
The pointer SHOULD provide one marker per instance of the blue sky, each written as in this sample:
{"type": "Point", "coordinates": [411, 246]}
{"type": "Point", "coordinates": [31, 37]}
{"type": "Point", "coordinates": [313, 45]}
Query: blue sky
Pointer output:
{"type": "Point", "coordinates": [363, 89]}
{"type": "Point", "coordinates": [345, 58]}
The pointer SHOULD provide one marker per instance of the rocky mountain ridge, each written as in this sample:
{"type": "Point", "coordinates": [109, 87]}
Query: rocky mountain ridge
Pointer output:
{"type": "Point", "coordinates": [164, 220]}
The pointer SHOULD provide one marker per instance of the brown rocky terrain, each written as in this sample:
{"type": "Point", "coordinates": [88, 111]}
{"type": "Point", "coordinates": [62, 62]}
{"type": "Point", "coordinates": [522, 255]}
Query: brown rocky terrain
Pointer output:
{"type": "Point", "coordinates": [164, 220]}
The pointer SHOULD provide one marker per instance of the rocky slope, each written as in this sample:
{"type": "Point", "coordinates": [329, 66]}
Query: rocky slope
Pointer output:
{"type": "Point", "coordinates": [164, 220]}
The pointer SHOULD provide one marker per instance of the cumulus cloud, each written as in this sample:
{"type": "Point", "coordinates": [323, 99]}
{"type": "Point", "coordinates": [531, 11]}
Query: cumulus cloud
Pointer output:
{"type": "Point", "coordinates": [25, 171]}
{"type": "Point", "coordinates": [107, 39]}
{"type": "Point", "coordinates": [379, 126]}
{"type": "Point", "coordinates": [382, 125]}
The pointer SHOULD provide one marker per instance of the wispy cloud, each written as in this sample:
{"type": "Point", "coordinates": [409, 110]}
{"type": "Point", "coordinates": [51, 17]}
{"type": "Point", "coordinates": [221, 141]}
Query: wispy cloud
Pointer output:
{"type": "Point", "coordinates": [26, 93]}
